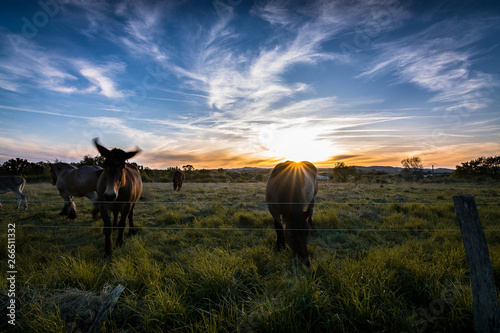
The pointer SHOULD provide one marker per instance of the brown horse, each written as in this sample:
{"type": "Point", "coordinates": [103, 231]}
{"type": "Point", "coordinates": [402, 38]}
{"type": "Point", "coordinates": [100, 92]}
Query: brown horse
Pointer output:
{"type": "Point", "coordinates": [75, 182]}
{"type": "Point", "coordinates": [118, 189]}
{"type": "Point", "coordinates": [177, 179]}
{"type": "Point", "coordinates": [14, 184]}
{"type": "Point", "coordinates": [291, 187]}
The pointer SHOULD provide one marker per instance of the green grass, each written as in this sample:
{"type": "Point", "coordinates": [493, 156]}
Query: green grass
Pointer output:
{"type": "Point", "coordinates": [385, 259]}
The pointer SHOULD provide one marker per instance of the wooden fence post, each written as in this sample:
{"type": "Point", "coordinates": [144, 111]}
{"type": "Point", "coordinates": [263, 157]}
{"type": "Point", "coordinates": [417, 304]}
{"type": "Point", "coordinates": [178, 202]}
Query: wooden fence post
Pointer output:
{"type": "Point", "coordinates": [484, 292]}
{"type": "Point", "coordinates": [106, 308]}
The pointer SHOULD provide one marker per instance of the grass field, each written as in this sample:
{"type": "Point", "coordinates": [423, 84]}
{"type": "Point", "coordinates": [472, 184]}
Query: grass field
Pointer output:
{"type": "Point", "coordinates": [386, 258]}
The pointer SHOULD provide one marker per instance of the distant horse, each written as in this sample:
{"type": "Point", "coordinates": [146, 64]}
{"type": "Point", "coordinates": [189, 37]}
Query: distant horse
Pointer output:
{"type": "Point", "coordinates": [118, 189]}
{"type": "Point", "coordinates": [14, 184]}
{"type": "Point", "coordinates": [177, 179]}
{"type": "Point", "coordinates": [291, 187]}
{"type": "Point", "coordinates": [75, 182]}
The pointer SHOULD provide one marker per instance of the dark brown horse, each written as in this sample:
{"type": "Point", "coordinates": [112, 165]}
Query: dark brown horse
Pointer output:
{"type": "Point", "coordinates": [291, 188]}
{"type": "Point", "coordinates": [14, 184]}
{"type": "Point", "coordinates": [75, 182]}
{"type": "Point", "coordinates": [118, 189]}
{"type": "Point", "coordinates": [177, 179]}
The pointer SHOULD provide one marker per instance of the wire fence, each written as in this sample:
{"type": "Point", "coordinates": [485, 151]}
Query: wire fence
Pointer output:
{"type": "Point", "coordinates": [250, 229]}
{"type": "Point", "coordinates": [259, 203]}
{"type": "Point", "coordinates": [321, 203]}
{"type": "Point", "coordinates": [243, 229]}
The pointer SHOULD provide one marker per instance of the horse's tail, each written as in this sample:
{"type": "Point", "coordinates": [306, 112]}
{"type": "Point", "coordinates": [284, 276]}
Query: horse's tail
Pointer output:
{"type": "Point", "coordinates": [23, 183]}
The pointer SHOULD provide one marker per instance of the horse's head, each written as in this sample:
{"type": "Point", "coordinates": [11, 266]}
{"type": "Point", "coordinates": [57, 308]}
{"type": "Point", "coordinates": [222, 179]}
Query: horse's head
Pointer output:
{"type": "Point", "coordinates": [58, 169]}
{"type": "Point", "coordinates": [114, 165]}
{"type": "Point", "coordinates": [296, 235]}
{"type": "Point", "coordinates": [53, 174]}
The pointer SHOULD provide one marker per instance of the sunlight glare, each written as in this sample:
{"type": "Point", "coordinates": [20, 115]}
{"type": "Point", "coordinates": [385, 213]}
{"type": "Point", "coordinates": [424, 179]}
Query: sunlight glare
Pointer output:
{"type": "Point", "coordinates": [299, 144]}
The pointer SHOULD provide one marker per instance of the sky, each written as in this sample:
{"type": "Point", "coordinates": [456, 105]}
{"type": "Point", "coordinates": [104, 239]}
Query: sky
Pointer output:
{"type": "Point", "coordinates": [233, 83]}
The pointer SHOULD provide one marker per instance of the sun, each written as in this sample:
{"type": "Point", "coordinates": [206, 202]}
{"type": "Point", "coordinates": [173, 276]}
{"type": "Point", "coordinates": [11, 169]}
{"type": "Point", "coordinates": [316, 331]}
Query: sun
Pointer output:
{"type": "Point", "coordinates": [298, 144]}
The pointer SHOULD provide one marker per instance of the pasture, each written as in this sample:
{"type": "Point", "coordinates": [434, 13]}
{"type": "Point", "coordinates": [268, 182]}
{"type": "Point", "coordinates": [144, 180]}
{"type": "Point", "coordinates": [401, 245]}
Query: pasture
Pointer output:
{"type": "Point", "coordinates": [385, 258]}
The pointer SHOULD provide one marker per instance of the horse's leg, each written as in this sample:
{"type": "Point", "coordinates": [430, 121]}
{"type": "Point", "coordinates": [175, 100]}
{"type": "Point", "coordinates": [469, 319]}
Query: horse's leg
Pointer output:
{"type": "Point", "coordinates": [18, 200]}
{"type": "Point", "coordinates": [115, 219]}
{"type": "Point", "coordinates": [309, 213]}
{"type": "Point", "coordinates": [72, 208]}
{"type": "Point", "coordinates": [95, 209]}
{"type": "Point", "coordinates": [25, 202]}
{"type": "Point", "coordinates": [280, 234]}
{"type": "Point", "coordinates": [125, 211]}
{"type": "Point", "coordinates": [131, 228]}
{"type": "Point", "coordinates": [66, 205]}
{"type": "Point", "coordinates": [107, 230]}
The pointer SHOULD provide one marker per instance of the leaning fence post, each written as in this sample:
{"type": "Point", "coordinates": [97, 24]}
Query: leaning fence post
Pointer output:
{"type": "Point", "coordinates": [106, 308]}
{"type": "Point", "coordinates": [484, 293]}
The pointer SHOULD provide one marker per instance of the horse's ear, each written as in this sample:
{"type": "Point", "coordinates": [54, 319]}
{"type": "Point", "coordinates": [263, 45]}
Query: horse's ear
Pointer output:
{"type": "Point", "coordinates": [102, 150]}
{"type": "Point", "coordinates": [130, 154]}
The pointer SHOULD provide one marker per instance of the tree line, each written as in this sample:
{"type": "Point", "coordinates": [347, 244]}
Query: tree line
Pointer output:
{"type": "Point", "coordinates": [480, 169]}
{"type": "Point", "coordinates": [40, 171]}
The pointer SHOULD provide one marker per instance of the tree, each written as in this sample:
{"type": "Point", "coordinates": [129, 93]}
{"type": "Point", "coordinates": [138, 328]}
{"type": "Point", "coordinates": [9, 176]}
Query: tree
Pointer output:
{"type": "Point", "coordinates": [342, 173]}
{"type": "Point", "coordinates": [413, 168]}
{"type": "Point", "coordinates": [480, 167]}
{"type": "Point", "coordinates": [16, 166]}
{"type": "Point", "coordinates": [89, 160]}
{"type": "Point", "coordinates": [188, 167]}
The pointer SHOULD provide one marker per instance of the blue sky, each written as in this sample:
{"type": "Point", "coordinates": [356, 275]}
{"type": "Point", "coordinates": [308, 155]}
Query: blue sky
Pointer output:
{"type": "Point", "coordinates": [230, 83]}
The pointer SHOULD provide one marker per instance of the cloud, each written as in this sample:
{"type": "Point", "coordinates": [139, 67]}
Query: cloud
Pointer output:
{"type": "Point", "coordinates": [239, 81]}
{"type": "Point", "coordinates": [101, 77]}
{"type": "Point", "coordinates": [34, 67]}
{"type": "Point", "coordinates": [30, 110]}
{"type": "Point", "coordinates": [440, 60]}
{"type": "Point", "coordinates": [234, 79]}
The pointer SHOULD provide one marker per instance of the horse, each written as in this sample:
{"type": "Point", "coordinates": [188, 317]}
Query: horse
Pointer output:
{"type": "Point", "coordinates": [291, 187]}
{"type": "Point", "coordinates": [118, 189]}
{"type": "Point", "coordinates": [14, 184]}
{"type": "Point", "coordinates": [177, 179]}
{"type": "Point", "coordinates": [71, 182]}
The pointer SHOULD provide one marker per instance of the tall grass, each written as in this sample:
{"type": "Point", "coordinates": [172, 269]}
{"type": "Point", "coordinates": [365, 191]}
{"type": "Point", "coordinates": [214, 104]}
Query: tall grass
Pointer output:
{"type": "Point", "coordinates": [384, 260]}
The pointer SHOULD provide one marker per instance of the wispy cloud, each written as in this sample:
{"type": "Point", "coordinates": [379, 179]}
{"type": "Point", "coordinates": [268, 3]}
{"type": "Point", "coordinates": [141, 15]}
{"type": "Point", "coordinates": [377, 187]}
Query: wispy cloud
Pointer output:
{"type": "Point", "coordinates": [101, 77]}
{"type": "Point", "coordinates": [34, 67]}
{"type": "Point", "coordinates": [440, 61]}
{"type": "Point", "coordinates": [50, 113]}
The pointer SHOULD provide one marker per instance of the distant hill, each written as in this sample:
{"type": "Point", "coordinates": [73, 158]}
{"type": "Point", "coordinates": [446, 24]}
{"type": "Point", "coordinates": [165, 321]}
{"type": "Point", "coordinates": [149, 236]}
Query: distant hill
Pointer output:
{"type": "Point", "coordinates": [390, 169]}
{"type": "Point", "coordinates": [387, 169]}
{"type": "Point", "coordinates": [250, 169]}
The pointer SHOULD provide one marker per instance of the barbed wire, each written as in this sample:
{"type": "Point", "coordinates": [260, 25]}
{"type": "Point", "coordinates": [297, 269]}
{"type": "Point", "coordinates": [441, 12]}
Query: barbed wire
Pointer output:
{"type": "Point", "coordinates": [84, 201]}
{"type": "Point", "coordinates": [245, 229]}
